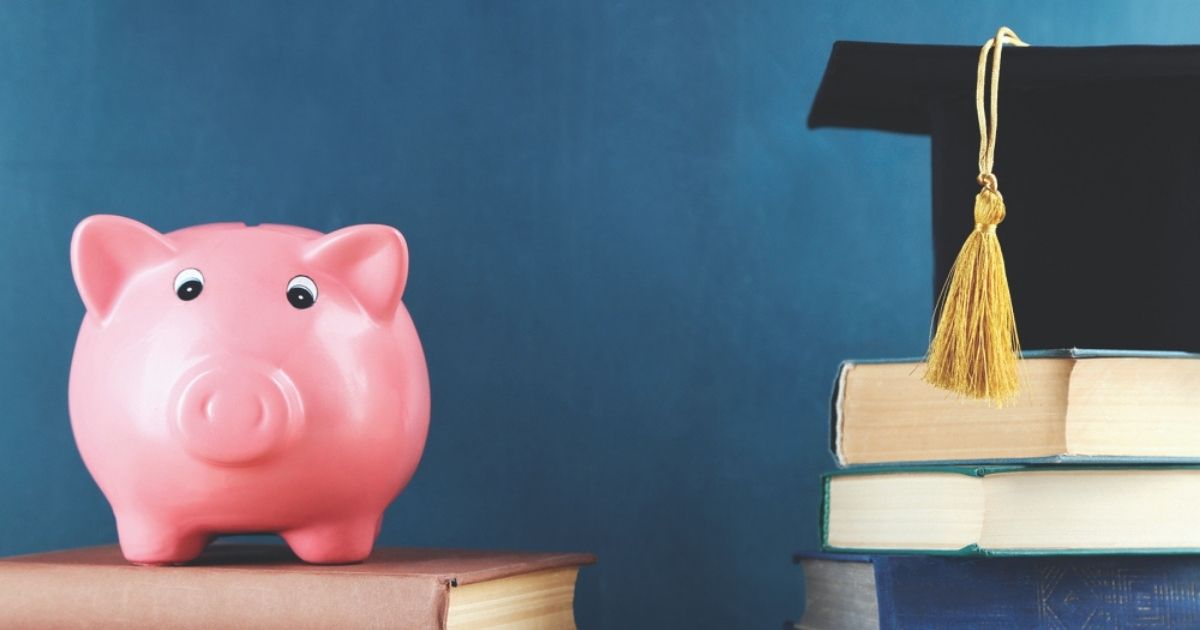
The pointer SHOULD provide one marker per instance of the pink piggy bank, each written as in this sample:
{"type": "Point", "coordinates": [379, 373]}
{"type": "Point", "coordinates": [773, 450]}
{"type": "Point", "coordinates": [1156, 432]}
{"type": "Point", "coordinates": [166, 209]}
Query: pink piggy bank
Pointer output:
{"type": "Point", "coordinates": [232, 379]}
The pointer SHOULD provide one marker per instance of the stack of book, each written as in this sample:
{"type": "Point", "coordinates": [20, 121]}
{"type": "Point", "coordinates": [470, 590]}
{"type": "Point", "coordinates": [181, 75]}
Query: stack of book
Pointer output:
{"type": "Point", "coordinates": [1076, 506]}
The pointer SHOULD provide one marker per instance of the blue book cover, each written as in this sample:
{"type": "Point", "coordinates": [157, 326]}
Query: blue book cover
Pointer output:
{"type": "Point", "coordinates": [1038, 592]}
{"type": "Point", "coordinates": [1053, 592]}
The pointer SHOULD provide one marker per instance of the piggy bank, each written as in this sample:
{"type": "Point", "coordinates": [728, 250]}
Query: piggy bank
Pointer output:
{"type": "Point", "coordinates": [231, 379]}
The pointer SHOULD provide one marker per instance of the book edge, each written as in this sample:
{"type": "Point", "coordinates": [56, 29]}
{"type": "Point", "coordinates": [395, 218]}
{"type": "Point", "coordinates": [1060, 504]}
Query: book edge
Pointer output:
{"type": "Point", "coordinates": [823, 514]}
{"type": "Point", "coordinates": [1062, 460]}
{"type": "Point", "coordinates": [1062, 353]}
{"type": "Point", "coordinates": [983, 470]}
{"type": "Point", "coordinates": [535, 561]}
{"type": "Point", "coordinates": [837, 413]}
{"type": "Point", "coordinates": [975, 551]}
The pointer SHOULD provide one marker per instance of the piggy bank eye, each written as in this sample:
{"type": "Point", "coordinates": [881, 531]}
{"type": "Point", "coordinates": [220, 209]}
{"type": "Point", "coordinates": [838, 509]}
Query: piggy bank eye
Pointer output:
{"type": "Point", "coordinates": [301, 292]}
{"type": "Point", "coordinates": [188, 284]}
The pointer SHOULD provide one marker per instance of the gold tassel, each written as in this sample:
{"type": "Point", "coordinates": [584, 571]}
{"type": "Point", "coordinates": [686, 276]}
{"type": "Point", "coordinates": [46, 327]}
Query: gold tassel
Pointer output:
{"type": "Point", "coordinates": [975, 349]}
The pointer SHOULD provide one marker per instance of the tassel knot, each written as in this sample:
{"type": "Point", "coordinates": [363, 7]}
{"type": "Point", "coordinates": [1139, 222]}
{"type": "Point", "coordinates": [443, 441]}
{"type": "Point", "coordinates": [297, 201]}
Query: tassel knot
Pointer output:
{"type": "Point", "coordinates": [989, 208]}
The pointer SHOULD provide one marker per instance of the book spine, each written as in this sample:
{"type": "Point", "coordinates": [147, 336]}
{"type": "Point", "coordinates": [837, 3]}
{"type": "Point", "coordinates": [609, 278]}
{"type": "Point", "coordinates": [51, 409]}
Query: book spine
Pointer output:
{"type": "Point", "coordinates": [936, 469]}
{"type": "Point", "coordinates": [1058, 592]}
{"type": "Point", "coordinates": [36, 595]}
{"type": "Point", "coordinates": [823, 516]}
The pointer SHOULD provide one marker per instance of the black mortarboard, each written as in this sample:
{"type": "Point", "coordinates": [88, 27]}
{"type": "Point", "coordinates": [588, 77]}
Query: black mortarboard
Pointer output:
{"type": "Point", "coordinates": [1098, 157]}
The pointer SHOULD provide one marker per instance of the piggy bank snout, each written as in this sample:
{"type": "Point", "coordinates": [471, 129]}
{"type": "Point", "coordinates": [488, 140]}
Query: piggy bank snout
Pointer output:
{"type": "Point", "coordinates": [234, 414]}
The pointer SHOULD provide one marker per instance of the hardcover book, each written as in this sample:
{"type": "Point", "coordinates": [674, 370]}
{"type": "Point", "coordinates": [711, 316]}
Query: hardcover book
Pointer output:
{"type": "Point", "coordinates": [265, 586]}
{"type": "Point", "coordinates": [839, 592]}
{"type": "Point", "coordinates": [1013, 510]}
{"type": "Point", "coordinates": [1000, 593]}
{"type": "Point", "coordinates": [1074, 406]}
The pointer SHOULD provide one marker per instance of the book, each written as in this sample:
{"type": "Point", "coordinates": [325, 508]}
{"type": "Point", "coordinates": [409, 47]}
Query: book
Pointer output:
{"type": "Point", "coordinates": [839, 592]}
{"type": "Point", "coordinates": [1030, 592]}
{"type": "Point", "coordinates": [265, 586]}
{"type": "Point", "coordinates": [1075, 405]}
{"type": "Point", "coordinates": [1013, 510]}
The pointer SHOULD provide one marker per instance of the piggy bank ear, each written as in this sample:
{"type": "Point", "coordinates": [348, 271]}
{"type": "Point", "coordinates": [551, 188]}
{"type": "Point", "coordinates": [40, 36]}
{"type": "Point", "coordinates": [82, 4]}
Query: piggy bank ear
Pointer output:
{"type": "Point", "coordinates": [106, 252]}
{"type": "Point", "coordinates": [371, 260]}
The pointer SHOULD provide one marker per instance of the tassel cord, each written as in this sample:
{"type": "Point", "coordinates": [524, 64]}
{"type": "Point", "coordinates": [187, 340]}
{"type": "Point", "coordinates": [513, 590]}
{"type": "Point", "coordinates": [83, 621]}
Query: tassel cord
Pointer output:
{"type": "Point", "coordinates": [988, 125]}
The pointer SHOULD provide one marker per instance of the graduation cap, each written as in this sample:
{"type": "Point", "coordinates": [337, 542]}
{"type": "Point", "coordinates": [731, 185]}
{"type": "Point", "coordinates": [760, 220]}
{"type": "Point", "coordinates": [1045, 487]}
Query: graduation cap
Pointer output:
{"type": "Point", "coordinates": [1099, 157]}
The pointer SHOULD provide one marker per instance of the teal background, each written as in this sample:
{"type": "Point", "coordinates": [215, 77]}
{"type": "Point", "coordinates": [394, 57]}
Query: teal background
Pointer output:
{"type": "Point", "coordinates": [633, 268]}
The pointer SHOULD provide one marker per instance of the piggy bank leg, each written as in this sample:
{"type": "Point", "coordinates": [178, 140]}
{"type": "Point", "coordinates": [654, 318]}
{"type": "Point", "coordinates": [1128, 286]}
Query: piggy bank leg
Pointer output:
{"type": "Point", "coordinates": [335, 542]}
{"type": "Point", "coordinates": [150, 541]}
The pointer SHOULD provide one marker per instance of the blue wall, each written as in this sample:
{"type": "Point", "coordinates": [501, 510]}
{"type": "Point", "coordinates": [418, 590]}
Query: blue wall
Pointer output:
{"type": "Point", "coordinates": [633, 268]}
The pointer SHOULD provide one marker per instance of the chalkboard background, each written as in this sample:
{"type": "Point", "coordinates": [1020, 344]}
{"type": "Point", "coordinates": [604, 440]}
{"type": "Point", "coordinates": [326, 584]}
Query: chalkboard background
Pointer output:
{"type": "Point", "coordinates": [633, 268]}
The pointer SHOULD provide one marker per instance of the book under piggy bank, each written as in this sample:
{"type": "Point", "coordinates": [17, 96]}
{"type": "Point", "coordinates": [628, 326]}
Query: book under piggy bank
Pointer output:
{"type": "Point", "coordinates": [232, 379]}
